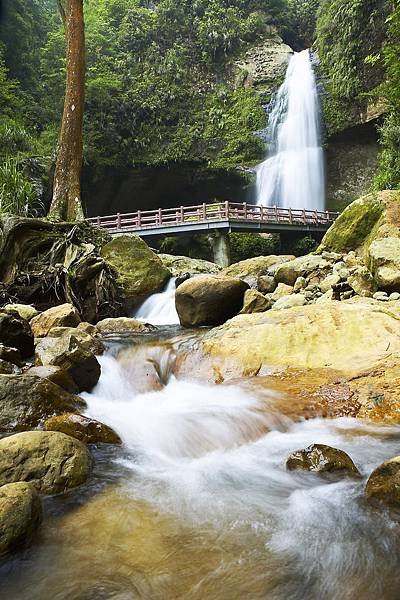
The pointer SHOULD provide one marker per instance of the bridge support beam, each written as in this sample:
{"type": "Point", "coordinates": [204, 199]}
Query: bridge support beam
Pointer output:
{"type": "Point", "coordinates": [221, 249]}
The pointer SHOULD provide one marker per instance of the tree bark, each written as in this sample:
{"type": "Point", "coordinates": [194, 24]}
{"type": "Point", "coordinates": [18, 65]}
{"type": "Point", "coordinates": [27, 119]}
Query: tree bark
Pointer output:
{"type": "Point", "coordinates": [66, 203]}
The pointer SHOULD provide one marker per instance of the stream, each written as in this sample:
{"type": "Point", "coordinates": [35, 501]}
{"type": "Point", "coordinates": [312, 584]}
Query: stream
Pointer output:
{"type": "Point", "coordinates": [197, 503]}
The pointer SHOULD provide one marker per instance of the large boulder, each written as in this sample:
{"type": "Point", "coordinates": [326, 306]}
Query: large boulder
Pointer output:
{"type": "Point", "coordinates": [16, 333]}
{"type": "Point", "coordinates": [27, 400]}
{"type": "Point", "coordinates": [20, 514]}
{"type": "Point", "coordinates": [64, 315]}
{"type": "Point", "coordinates": [384, 483]}
{"type": "Point", "coordinates": [180, 265]}
{"type": "Point", "coordinates": [209, 300]}
{"type": "Point", "coordinates": [68, 352]}
{"type": "Point", "coordinates": [384, 262]}
{"type": "Point", "coordinates": [303, 266]}
{"type": "Point", "coordinates": [52, 461]}
{"type": "Point", "coordinates": [11, 355]}
{"type": "Point", "coordinates": [56, 375]}
{"type": "Point", "coordinates": [255, 267]}
{"type": "Point", "coordinates": [140, 270]}
{"type": "Point", "coordinates": [337, 335]}
{"type": "Point", "coordinates": [123, 325]}
{"type": "Point", "coordinates": [89, 341]}
{"type": "Point", "coordinates": [83, 428]}
{"type": "Point", "coordinates": [322, 459]}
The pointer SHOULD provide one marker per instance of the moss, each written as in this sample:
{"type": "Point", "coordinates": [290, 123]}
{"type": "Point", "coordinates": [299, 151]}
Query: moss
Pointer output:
{"type": "Point", "coordinates": [355, 225]}
{"type": "Point", "coordinates": [139, 269]}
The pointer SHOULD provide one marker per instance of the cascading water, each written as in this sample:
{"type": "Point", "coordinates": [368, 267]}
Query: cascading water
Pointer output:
{"type": "Point", "coordinates": [292, 176]}
{"type": "Point", "coordinates": [160, 309]}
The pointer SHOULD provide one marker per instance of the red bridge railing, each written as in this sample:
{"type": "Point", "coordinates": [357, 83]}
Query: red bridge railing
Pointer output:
{"type": "Point", "coordinates": [221, 211]}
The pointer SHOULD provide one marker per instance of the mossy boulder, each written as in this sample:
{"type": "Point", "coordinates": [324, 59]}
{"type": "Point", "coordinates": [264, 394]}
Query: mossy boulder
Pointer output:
{"type": "Point", "coordinates": [322, 459]}
{"type": "Point", "coordinates": [51, 461]}
{"type": "Point", "coordinates": [83, 428]}
{"type": "Point", "coordinates": [64, 315]}
{"type": "Point", "coordinates": [26, 401]}
{"type": "Point", "coordinates": [209, 300]}
{"type": "Point", "coordinates": [180, 265]}
{"type": "Point", "coordinates": [20, 514]}
{"type": "Point", "coordinates": [140, 271]}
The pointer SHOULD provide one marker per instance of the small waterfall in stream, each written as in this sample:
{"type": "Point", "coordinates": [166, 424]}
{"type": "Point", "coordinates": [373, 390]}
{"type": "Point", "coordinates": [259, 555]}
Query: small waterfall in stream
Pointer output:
{"type": "Point", "coordinates": [292, 176]}
{"type": "Point", "coordinates": [160, 309]}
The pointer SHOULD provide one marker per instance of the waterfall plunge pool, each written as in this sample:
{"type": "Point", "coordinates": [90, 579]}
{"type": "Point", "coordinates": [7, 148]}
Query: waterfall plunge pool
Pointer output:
{"type": "Point", "coordinates": [197, 503]}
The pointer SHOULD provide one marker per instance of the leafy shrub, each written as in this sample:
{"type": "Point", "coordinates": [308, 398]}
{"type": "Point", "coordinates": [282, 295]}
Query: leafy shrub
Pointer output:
{"type": "Point", "coordinates": [249, 245]}
{"type": "Point", "coordinates": [17, 194]}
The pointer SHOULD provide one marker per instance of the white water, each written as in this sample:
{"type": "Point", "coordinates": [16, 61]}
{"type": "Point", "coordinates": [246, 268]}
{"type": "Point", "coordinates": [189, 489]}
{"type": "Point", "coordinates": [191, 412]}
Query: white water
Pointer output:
{"type": "Point", "coordinates": [292, 176]}
{"type": "Point", "coordinates": [160, 309]}
{"type": "Point", "coordinates": [214, 456]}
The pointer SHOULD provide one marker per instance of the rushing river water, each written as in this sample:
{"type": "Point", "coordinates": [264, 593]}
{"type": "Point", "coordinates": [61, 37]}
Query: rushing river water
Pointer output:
{"type": "Point", "coordinates": [197, 503]}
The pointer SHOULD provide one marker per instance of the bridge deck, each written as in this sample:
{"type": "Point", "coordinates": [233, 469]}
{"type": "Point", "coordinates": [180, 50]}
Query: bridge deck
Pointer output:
{"type": "Point", "coordinates": [221, 216]}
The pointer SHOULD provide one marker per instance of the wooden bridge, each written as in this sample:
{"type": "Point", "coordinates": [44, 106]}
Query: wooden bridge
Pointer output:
{"type": "Point", "coordinates": [223, 217]}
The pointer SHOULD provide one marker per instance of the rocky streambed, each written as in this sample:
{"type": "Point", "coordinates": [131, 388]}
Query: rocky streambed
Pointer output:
{"type": "Point", "coordinates": [251, 451]}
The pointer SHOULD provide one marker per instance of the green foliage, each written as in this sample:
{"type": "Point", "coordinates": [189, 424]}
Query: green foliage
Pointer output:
{"type": "Point", "coordinates": [17, 194]}
{"type": "Point", "coordinates": [249, 245]}
{"type": "Point", "coordinates": [300, 23]}
{"type": "Point", "coordinates": [389, 168]}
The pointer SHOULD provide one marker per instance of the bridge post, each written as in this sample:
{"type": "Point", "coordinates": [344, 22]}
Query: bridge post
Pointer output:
{"type": "Point", "coordinates": [221, 249]}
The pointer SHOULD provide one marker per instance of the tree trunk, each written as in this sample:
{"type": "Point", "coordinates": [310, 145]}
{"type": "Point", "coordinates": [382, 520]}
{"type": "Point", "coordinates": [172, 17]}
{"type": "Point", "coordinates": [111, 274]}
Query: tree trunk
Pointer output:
{"type": "Point", "coordinates": [66, 202]}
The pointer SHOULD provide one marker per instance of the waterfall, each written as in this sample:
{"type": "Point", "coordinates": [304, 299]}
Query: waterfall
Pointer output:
{"type": "Point", "coordinates": [160, 309]}
{"type": "Point", "coordinates": [292, 176]}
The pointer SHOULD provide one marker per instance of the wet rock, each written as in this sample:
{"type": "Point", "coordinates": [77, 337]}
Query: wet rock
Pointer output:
{"type": "Point", "coordinates": [183, 265]}
{"type": "Point", "coordinates": [289, 302]}
{"type": "Point", "coordinates": [20, 514]}
{"type": "Point", "coordinates": [16, 333]}
{"type": "Point", "coordinates": [209, 300]}
{"type": "Point", "coordinates": [384, 483]}
{"type": "Point", "coordinates": [56, 375]}
{"type": "Point", "coordinates": [281, 291]}
{"type": "Point", "coordinates": [64, 315]}
{"type": "Point", "coordinates": [24, 311]}
{"type": "Point", "coordinates": [83, 428]}
{"type": "Point", "coordinates": [179, 280]}
{"type": "Point", "coordinates": [322, 459]}
{"type": "Point", "coordinates": [124, 325]}
{"type": "Point", "coordinates": [11, 355]}
{"type": "Point", "coordinates": [266, 284]}
{"type": "Point", "coordinates": [140, 270]}
{"type": "Point", "coordinates": [27, 400]}
{"type": "Point", "coordinates": [68, 353]}
{"type": "Point", "coordinates": [51, 461]}
{"type": "Point", "coordinates": [255, 302]}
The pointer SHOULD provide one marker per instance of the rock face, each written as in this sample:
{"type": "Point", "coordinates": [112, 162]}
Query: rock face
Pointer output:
{"type": "Point", "coordinates": [124, 325]}
{"type": "Point", "coordinates": [384, 483]}
{"type": "Point", "coordinates": [140, 270]}
{"type": "Point", "coordinates": [337, 335]}
{"type": "Point", "coordinates": [255, 302]}
{"type": "Point", "coordinates": [70, 354]}
{"type": "Point", "coordinates": [64, 315]}
{"type": "Point", "coordinates": [49, 460]}
{"type": "Point", "coordinates": [322, 459]}
{"type": "Point", "coordinates": [83, 428]}
{"type": "Point", "coordinates": [180, 265]}
{"type": "Point", "coordinates": [26, 401]}
{"type": "Point", "coordinates": [20, 514]}
{"type": "Point", "coordinates": [209, 300]}
{"type": "Point", "coordinates": [16, 333]}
